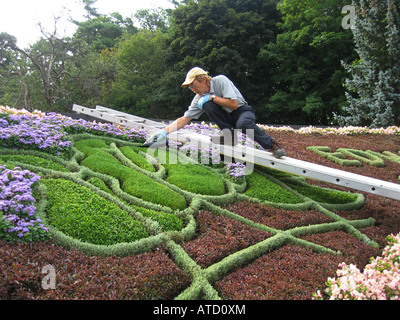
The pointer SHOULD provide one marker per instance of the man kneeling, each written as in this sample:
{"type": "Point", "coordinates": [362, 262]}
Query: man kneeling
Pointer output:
{"type": "Point", "coordinates": [219, 98]}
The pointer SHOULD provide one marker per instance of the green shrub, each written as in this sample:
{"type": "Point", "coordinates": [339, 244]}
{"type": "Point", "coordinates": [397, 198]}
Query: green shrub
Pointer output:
{"type": "Point", "coordinates": [84, 215]}
{"type": "Point", "coordinates": [97, 182]}
{"type": "Point", "coordinates": [363, 156]}
{"type": "Point", "coordinates": [146, 188]}
{"type": "Point", "coordinates": [133, 182]}
{"type": "Point", "coordinates": [88, 146]}
{"type": "Point", "coordinates": [322, 195]}
{"type": "Point", "coordinates": [4, 226]}
{"type": "Point", "coordinates": [31, 160]}
{"type": "Point", "coordinates": [275, 173]}
{"type": "Point", "coordinates": [196, 179]}
{"type": "Point", "coordinates": [167, 221]}
{"type": "Point", "coordinates": [264, 189]}
{"type": "Point", "coordinates": [336, 157]}
{"type": "Point", "coordinates": [132, 154]}
{"type": "Point", "coordinates": [92, 143]}
{"type": "Point", "coordinates": [387, 155]}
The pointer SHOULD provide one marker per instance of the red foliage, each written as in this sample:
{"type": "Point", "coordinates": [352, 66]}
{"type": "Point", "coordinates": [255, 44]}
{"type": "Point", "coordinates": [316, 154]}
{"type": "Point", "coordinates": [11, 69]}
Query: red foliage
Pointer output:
{"type": "Point", "coordinates": [354, 250]}
{"type": "Point", "coordinates": [78, 276]}
{"type": "Point", "coordinates": [277, 218]}
{"type": "Point", "coordinates": [295, 146]}
{"type": "Point", "coordinates": [384, 211]}
{"type": "Point", "coordinates": [291, 272]}
{"type": "Point", "coordinates": [288, 273]}
{"type": "Point", "coordinates": [219, 237]}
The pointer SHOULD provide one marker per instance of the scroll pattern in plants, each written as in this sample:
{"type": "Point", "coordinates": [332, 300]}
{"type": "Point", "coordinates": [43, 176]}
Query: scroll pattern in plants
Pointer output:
{"type": "Point", "coordinates": [196, 231]}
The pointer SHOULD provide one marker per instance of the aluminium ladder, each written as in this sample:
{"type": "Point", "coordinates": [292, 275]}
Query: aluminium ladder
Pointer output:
{"type": "Point", "coordinates": [251, 155]}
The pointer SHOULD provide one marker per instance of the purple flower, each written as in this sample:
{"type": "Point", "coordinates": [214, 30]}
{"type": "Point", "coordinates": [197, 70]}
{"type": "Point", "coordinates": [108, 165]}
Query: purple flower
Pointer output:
{"type": "Point", "coordinates": [236, 170]}
{"type": "Point", "coordinates": [17, 203]}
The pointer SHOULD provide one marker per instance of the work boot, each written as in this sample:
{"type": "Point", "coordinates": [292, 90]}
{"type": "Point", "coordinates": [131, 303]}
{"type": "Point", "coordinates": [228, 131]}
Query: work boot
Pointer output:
{"type": "Point", "coordinates": [228, 137]}
{"type": "Point", "coordinates": [277, 149]}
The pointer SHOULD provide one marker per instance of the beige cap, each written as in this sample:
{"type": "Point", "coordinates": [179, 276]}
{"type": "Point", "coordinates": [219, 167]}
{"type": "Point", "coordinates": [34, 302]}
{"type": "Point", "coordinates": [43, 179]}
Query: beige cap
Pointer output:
{"type": "Point", "coordinates": [191, 75]}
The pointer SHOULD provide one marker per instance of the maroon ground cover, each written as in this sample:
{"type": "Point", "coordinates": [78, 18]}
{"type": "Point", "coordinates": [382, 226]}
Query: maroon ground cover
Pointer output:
{"type": "Point", "coordinates": [218, 237]}
{"type": "Point", "coordinates": [290, 272]}
{"type": "Point", "coordinates": [147, 276]}
{"type": "Point", "coordinates": [296, 145]}
{"type": "Point", "coordinates": [276, 218]}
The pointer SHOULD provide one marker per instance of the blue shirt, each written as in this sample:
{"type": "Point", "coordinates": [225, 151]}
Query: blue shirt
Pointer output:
{"type": "Point", "coordinates": [222, 87]}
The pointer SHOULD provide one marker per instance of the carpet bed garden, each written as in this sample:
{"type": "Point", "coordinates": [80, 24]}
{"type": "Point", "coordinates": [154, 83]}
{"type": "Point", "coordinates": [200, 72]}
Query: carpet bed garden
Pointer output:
{"type": "Point", "coordinates": [117, 222]}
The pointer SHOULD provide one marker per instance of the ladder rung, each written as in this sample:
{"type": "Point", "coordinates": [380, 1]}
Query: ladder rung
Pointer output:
{"type": "Point", "coordinates": [263, 158]}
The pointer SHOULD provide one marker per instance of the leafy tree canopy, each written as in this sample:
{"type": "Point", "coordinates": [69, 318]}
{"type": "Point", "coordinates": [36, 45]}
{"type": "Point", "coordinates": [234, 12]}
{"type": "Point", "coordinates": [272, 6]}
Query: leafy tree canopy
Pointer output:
{"type": "Point", "coordinates": [306, 62]}
{"type": "Point", "coordinates": [373, 94]}
{"type": "Point", "coordinates": [289, 58]}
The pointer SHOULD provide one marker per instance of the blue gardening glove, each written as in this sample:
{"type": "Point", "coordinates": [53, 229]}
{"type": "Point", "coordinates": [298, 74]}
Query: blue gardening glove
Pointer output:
{"type": "Point", "coordinates": [159, 137]}
{"type": "Point", "coordinates": [203, 100]}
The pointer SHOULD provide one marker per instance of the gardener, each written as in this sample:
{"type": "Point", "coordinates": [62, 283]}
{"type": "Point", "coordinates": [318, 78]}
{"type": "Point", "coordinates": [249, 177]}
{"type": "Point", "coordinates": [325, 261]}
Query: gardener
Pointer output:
{"type": "Point", "coordinates": [224, 104]}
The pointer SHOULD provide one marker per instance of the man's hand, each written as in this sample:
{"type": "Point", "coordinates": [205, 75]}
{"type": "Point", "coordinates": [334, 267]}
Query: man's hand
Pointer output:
{"type": "Point", "coordinates": [203, 100]}
{"type": "Point", "coordinates": [159, 137]}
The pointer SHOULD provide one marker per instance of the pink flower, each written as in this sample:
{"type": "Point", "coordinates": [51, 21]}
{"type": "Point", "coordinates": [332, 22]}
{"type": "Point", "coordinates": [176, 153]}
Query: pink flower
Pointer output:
{"type": "Point", "coordinates": [380, 280]}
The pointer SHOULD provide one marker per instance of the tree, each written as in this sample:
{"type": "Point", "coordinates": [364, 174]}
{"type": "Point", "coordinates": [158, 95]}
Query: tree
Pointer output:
{"type": "Point", "coordinates": [48, 57]}
{"type": "Point", "coordinates": [153, 19]}
{"type": "Point", "coordinates": [139, 67]}
{"type": "Point", "coordinates": [86, 74]}
{"type": "Point", "coordinates": [91, 11]}
{"type": "Point", "coordinates": [103, 32]}
{"type": "Point", "coordinates": [42, 63]}
{"type": "Point", "coordinates": [13, 64]}
{"type": "Point", "coordinates": [223, 37]}
{"type": "Point", "coordinates": [374, 90]}
{"type": "Point", "coordinates": [305, 61]}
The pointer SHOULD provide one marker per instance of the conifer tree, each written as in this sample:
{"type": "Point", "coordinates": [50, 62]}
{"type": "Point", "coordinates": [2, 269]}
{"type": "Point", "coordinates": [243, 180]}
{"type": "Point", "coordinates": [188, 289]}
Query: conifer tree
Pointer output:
{"type": "Point", "coordinates": [373, 92]}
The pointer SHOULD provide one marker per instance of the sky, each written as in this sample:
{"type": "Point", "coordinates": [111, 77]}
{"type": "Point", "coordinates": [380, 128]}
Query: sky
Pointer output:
{"type": "Point", "coordinates": [20, 18]}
